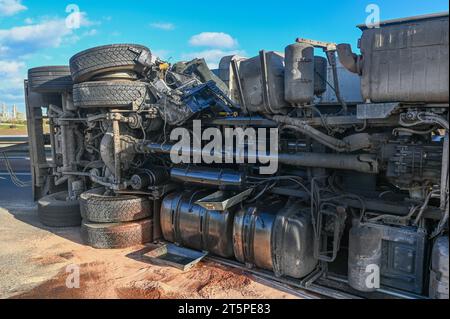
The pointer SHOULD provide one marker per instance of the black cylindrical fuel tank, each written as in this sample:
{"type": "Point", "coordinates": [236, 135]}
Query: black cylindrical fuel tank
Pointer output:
{"type": "Point", "coordinates": [276, 237]}
{"type": "Point", "coordinates": [185, 223]}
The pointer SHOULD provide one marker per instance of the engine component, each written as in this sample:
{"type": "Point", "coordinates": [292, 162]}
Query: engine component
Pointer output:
{"type": "Point", "coordinates": [275, 237]}
{"type": "Point", "coordinates": [112, 94]}
{"type": "Point", "coordinates": [125, 153]}
{"type": "Point", "coordinates": [50, 79]}
{"type": "Point", "coordinates": [109, 58]}
{"type": "Point", "coordinates": [179, 105]}
{"type": "Point", "coordinates": [299, 74]}
{"type": "Point", "coordinates": [208, 177]}
{"type": "Point", "coordinates": [199, 68]}
{"type": "Point", "coordinates": [397, 253]}
{"type": "Point", "coordinates": [348, 144]}
{"type": "Point", "coordinates": [439, 269]}
{"type": "Point", "coordinates": [149, 177]}
{"type": "Point", "coordinates": [116, 235]}
{"type": "Point", "coordinates": [207, 95]}
{"type": "Point", "coordinates": [191, 225]}
{"type": "Point", "coordinates": [411, 166]}
{"type": "Point", "coordinates": [262, 79]}
{"type": "Point", "coordinates": [99, 208]}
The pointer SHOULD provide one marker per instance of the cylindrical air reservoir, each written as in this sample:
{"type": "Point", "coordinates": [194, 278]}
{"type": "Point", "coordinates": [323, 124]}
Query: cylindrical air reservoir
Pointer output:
{"type": "Point", "coordinates": [320, 75]}
{"type": "Point", "coordinates": [299, 74]}
{"type": "Point", "coordinates": [364, 252]}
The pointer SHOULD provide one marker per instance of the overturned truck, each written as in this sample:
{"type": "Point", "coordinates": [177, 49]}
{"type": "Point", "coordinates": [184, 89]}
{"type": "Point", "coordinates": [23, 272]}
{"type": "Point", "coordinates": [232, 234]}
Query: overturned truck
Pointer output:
{"type": "Point", "coordinates": [344, 190]}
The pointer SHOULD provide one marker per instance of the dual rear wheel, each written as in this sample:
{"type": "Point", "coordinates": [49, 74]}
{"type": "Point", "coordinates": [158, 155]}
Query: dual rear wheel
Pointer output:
{"type": "Point", "coordinates": [107, 222]}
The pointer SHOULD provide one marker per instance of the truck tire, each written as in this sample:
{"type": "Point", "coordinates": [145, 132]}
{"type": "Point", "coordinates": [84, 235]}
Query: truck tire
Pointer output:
{"type": "Point", "coordinates": [109, 58]}
{"type": "Point", "coordinates": [116, 235]}
{"type": "Point", "coordinates": [50, 79]}
{"type": "Point", "coordinates": [98, 208]}
{"type": "Point", "coordinates": [55, 211]}
{"type": "Point", "coordinates": [109, 94]}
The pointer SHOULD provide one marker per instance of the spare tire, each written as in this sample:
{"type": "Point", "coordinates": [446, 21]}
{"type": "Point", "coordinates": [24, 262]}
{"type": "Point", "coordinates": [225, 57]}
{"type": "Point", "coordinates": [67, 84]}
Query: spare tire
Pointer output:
{"type": "Point", "coordinates": [109, 94]}
{"type": "Point", "coordinates": [109, 58]}
{"type": "Point", "coordinates": [56, 211]}
{"type": "Point", "coordinates": [98, 208]}
{"type": "Point", "coordinates": [116, 235]}
{"type": "Point", "coordinates": [50, 79]}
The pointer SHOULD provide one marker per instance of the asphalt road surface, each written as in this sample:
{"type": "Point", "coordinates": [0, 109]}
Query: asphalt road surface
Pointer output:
{"type": "Point", "coordinates": [10, 192]}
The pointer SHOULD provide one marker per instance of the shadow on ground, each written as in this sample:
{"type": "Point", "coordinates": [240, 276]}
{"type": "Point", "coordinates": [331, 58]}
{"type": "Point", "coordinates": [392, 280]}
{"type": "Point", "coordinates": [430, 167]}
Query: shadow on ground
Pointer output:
{"type": "Point", "coordinates": [28, 214]}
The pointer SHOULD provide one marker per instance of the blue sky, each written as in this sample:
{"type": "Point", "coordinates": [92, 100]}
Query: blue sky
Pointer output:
{"type": "Point", "coordinates": [34, 32]}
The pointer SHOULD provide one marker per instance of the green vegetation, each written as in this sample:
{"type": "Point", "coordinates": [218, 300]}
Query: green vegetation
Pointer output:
{"type": "Point", "coordinates": [13, 128]}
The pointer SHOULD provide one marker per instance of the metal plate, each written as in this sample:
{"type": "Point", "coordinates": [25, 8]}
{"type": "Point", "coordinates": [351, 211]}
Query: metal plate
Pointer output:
{"type": "Point", "coordinates": [222, 201]}
{"type": "Point", "coordinates": [175, 256]}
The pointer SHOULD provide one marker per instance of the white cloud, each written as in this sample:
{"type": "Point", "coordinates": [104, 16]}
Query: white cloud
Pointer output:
{"type": "Point", "coordinates": [8, 68]}
{"type": "Point", "coordinates": [12, 74]}
{"type": "Point", "coordinates": [212, 57]}
{"type": "Point", "coordinates": [19, 43]}
{"type": "Point", "coordinates": [35, 36]}
{"type": "Point", "coordinates": [26, 39]}
{"type": "Point", "coordinates": [167, 26]}
{"type": "Point", "coordinates": [214, 40]}
{"type": "Point", "coordinates": [11, 7]}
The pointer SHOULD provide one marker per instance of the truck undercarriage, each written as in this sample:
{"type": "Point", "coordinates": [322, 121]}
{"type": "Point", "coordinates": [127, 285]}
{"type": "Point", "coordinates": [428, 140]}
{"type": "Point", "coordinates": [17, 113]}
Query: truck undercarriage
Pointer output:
{"type": "Point", "coordinates": [319, 172]}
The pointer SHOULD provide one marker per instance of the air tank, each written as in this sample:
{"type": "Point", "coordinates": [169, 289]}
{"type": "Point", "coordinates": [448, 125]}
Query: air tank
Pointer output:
{"type": "Point", "coordinates": [364, 251]}
{"type": "Point", "coordinates": [299, 74]}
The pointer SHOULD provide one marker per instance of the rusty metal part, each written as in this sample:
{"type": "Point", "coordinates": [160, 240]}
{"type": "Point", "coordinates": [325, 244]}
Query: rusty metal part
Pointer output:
{"type": "Point", "coordinates": [348, 59]}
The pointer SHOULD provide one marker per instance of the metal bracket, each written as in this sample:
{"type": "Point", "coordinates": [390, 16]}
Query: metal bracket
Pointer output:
{"type": "Point", "coordinates": [368, 111]}
{"type": "Point", "coordinates": [221, 200]}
